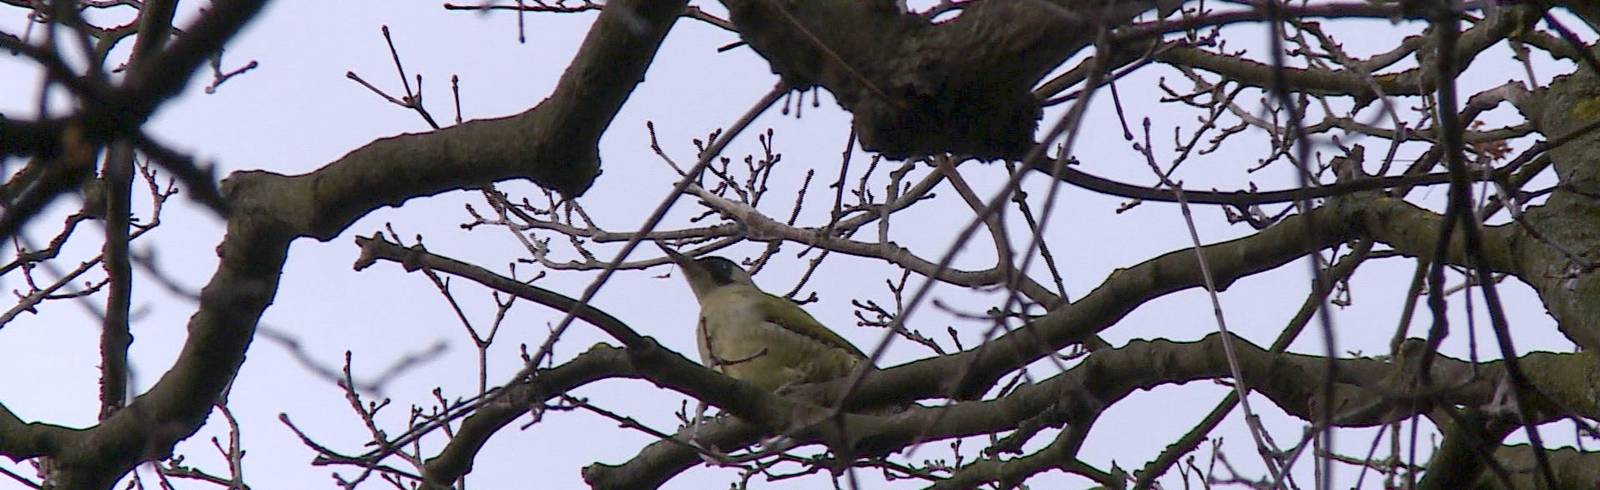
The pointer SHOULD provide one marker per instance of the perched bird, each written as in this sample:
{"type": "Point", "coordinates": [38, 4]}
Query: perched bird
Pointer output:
{"type": "Point", "coordinates": [757, 337]}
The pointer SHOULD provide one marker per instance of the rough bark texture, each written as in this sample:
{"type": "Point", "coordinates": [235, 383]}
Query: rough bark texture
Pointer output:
{"type": "Point", "coordinates": [916, 87]}
{"type": "Point", "coordinates": [1571, 217]}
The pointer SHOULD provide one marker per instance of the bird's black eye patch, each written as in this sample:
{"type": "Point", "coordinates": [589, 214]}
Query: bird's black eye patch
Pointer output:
{"type": "Point", "coordinates": [722, 270]}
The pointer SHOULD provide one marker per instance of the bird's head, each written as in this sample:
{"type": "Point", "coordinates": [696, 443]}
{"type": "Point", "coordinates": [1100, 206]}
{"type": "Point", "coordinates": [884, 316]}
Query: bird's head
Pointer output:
{"type": "Point", "coordinates": [706, 274]}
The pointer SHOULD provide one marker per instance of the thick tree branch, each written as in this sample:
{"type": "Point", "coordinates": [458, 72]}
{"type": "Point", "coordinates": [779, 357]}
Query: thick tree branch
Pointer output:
{"type": "Point", "coordinates": [554, 144]}
{"type": "Point", "coordinates": [558, 150]}
{"type": "Point", "coordinates": [112, 111]}
{"type": "Point", "coordinates": [1249, 198]}
{"type": "Point", "coordinates": [1573, 468]}
{"type": "Point", "coordinates": [455, 460]}
{"type": "Point", "coordinates": [1362, 86]}
{"type": "Point", "coordinates": [1568, 218]}
{"type": "Point", "coordinates": [1461, 456]}
{"type": "Point", "coordinates": [1365, 393]}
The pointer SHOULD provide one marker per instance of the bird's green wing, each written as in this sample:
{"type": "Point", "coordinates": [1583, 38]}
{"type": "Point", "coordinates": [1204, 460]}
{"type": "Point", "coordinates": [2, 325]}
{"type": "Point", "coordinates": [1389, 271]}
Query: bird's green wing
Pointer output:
{"type": "Point", "coordinates": [788, 315]}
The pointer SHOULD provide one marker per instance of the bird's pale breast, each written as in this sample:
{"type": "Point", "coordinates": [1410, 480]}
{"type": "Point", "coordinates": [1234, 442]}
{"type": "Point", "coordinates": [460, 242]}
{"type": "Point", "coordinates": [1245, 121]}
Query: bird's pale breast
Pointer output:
{"type": "Point", "coordinates": [736, 338]}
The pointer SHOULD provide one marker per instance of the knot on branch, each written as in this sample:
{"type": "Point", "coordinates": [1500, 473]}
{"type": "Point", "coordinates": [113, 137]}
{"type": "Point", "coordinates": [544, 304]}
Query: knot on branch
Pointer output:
{"type": "Point", "coordinates": [918, 87]}
{"type": "Point", "coordinates": [266, 202]}
{"type": "Point", "coordinates": [644, 351]}
{"type": "Point", "coordinates": [376, 247]}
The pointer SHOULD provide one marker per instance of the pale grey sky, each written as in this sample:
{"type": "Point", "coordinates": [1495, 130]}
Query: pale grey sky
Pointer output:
{"type": "Point", "coordinates": [297, 111]}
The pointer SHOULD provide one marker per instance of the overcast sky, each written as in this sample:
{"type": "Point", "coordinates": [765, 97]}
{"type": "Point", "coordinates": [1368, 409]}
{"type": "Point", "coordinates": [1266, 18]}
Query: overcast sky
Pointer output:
{"type": "Point", "coordinates": [298, 111]}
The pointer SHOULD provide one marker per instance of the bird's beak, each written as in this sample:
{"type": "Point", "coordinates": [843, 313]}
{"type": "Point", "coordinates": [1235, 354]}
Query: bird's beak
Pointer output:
{"type": "Point", "coordinates": [682, 260]}
{"type": "Point", "coordinates": [696, 274]}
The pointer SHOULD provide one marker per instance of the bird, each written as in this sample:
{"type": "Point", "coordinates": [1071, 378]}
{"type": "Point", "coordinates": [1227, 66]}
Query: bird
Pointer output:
{"type": "Point", "coordinates": [754, 336]}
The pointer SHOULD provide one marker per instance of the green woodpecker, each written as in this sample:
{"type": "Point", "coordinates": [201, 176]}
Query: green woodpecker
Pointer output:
{"type": "Point", "coordinates": [757, 337]}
